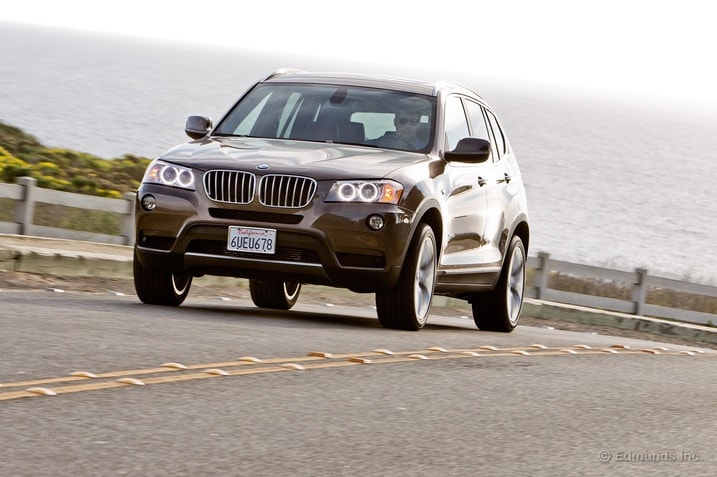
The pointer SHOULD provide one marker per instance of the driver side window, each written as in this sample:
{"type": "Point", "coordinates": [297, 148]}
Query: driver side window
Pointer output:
{"type": "Point", "coordinates": [456, 123]}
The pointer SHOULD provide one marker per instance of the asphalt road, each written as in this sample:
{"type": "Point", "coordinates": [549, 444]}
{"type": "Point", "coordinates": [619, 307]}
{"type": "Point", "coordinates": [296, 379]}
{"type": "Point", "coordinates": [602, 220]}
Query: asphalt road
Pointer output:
{"type": "Point", "coordinates": [480, 403]}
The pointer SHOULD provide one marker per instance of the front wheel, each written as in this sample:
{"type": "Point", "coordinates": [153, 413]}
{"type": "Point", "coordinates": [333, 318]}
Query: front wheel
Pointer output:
{"type": "Point", "coordinates": [160, 287]}
{"type": "Point", "coordinates": [406, 305]}
{"type": "Point", "coordinates": [274, 295]}
{"type": "Point", "coordinates": [499, 309]}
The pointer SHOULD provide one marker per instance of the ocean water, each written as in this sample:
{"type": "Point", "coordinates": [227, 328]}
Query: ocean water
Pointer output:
{"type": "Point", "coordinates": [613, 179]}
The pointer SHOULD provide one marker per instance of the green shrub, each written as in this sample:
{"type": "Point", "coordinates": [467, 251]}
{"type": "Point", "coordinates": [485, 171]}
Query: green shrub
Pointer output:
{"type": "Point", "coordinates": [64, 169]}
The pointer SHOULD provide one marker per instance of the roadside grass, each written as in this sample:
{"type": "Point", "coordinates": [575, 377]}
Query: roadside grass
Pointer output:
{"type": "Point", "coordinates": [70, 218]}
{"type": "Point", "coordinates": [7, 210]}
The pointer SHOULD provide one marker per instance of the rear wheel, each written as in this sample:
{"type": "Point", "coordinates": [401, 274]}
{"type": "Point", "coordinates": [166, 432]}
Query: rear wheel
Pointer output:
{"type": "Point", "coordinates": [160, 287]}
{"type": "Point", "coordinates": [407, 304]}
{"type": "Point", "coordinates": [275, 295]}
{"type": "Point", "coordinates": [499, 309]}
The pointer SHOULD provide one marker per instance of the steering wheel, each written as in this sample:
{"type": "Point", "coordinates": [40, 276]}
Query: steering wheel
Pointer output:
{"type": "Point", "coordinates": [397, 142]}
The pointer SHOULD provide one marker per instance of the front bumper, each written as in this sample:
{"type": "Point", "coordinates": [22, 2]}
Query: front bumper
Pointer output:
{"type": "Point", "coordinates": [324, 243]}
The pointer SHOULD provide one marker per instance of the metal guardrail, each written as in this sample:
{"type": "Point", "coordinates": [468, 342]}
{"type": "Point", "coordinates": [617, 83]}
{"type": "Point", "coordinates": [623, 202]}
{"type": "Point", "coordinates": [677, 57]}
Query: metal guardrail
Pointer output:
{"type": "Point", "coordinates": [543, 268]}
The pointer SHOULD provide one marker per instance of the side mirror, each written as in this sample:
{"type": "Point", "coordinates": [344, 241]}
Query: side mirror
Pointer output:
{"type": "Point", "coordinates": [198, 126]}
{"type": "Point", "coordinates": [469, 149]}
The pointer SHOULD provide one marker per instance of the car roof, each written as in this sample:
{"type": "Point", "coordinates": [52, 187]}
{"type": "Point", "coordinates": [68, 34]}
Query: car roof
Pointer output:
{"type": "Point", "coordinates": [366, 80]}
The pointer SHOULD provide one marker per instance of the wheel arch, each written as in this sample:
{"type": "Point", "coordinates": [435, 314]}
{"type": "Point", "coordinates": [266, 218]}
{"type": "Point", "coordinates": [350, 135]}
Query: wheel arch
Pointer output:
{"type": "Point", "coordinates": [433, 218]}
{"type": "Point", "coordinates": [522, 230]}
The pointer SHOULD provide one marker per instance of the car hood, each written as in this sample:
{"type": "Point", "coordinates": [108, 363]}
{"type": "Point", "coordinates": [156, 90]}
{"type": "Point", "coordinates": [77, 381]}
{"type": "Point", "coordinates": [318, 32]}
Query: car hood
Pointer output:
{"type": "Point", "coordinates": [322, 161]}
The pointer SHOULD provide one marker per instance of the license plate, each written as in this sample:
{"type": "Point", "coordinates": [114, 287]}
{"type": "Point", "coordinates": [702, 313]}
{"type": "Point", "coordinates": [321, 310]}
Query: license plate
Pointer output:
{"type": "Point", "coordinates": [251, 239]}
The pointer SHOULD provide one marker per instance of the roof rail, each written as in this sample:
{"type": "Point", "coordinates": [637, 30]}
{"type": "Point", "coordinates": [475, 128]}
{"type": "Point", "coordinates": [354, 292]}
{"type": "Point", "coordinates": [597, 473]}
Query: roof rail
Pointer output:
{"type": "Point", "coordinates": [456, 87]}
{"type": "Point", "coordinates": [282, 72]}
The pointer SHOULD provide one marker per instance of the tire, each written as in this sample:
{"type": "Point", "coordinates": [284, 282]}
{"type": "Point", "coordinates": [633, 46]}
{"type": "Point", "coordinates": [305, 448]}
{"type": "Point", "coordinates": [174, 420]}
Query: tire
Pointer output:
{"type": "Point", "coordinates": [406, 306]}
{"type": "Point", "coordinates": [274, 295]}
{"type": "Point", "coordinates": [499, 309]}
{"type": "Point", "coordinates": [160, 287]}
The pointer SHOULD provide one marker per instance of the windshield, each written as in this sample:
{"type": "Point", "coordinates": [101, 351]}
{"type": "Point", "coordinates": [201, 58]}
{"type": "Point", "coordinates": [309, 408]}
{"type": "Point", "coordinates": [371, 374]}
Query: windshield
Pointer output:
{"type": "Point", "coordinates": [336, 114]}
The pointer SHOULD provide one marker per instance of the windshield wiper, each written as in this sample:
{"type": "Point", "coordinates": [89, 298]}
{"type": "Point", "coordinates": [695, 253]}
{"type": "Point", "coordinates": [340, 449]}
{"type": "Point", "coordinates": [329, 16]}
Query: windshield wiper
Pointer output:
{"type": "Point", "coordinates": [230, 135]}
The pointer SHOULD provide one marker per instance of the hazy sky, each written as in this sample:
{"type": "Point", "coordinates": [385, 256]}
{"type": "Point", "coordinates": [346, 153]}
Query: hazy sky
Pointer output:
{"type": "Point", "coordinates": [655, 47]}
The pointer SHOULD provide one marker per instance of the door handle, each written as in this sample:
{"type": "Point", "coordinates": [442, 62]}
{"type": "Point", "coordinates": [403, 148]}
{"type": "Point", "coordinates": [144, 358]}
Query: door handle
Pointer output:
{"type": "Point", "coordinates": [506, 178]}
{"type": "Point", "coordinates": [481, 181]}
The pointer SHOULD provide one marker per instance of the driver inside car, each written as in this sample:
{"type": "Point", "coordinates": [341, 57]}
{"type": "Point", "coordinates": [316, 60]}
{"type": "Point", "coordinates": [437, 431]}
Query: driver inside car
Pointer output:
{"type": "Point", "coordinates": [407, 122]}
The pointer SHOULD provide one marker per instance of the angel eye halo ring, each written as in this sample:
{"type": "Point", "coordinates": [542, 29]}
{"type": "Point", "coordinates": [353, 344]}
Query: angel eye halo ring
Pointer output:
{"type": "Point", "coordinates": [365, 191]}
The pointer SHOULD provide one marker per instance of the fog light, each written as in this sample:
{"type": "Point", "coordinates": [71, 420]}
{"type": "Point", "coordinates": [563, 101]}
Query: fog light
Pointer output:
{"type": "Point", "coordinates": [375, 222]}
{"type": "Point", "coordinates": [149, 202]}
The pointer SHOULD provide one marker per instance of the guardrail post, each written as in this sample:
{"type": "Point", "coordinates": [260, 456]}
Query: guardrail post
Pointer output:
{"type": "Point", "coordinates": [25, 208]}
{"type": "Point", "coordinates": [639, 291]}
{"type": "Point", "coordinates": [542, 274]}
{"type": "Point", "coordinates": [128, 219]}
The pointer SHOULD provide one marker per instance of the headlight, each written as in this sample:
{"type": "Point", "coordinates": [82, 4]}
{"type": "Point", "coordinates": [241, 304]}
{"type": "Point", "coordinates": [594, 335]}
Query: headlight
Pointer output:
{"type": "Point", "coordinates": [160, 172]}
{"type": "Point", "coordinates": [383, 192]}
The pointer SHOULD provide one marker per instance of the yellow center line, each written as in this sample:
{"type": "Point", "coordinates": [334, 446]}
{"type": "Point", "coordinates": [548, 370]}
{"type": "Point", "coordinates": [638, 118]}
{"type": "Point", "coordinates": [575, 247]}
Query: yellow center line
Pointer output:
{"type": "Point", "coordinates": [314, 360]}
{"type": "Point", "coordinates": [166, 369]}
{"type": "Point", "coordinates": [484, 350]}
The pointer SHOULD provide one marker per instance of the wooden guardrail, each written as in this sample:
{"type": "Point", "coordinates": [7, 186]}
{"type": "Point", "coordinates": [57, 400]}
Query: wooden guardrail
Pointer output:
{"type": "Point", "coordinates": [26, 194]}
{"type": "Point", "coordinates": [639, 284]}
{"type": "Point", "coordinates": [543, 268]}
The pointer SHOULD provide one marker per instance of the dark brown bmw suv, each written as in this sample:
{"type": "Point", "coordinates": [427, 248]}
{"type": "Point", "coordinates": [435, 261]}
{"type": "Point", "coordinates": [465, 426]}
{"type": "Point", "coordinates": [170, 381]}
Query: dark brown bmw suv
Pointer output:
{"type": "Point", "coordinates": [396, 187]}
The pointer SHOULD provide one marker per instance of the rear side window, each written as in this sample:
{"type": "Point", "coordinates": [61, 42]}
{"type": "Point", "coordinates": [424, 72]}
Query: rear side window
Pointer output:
{"type": "Point", "coordinates": [500, 146]}
{"type": "Point", "coordinates": [479, 128]}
